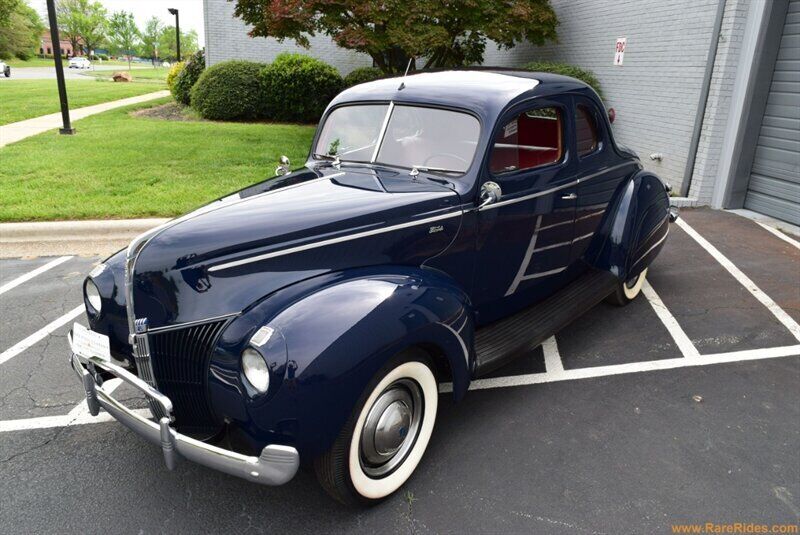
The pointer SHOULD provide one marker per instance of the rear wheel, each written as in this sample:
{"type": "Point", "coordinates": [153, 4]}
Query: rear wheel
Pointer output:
{"type": "Point", "coordinates": [628, 290]}
{"type": "Point", "coordinates": [387, 433]}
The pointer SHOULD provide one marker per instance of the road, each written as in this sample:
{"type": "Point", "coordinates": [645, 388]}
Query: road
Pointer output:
{"type": "Point", "coordinates": [47, 73]}
{"type": "Point", "coordinates": [682, 407]}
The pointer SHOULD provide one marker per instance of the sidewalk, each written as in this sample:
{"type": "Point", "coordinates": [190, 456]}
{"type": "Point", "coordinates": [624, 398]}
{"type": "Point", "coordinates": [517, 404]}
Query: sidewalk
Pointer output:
{"type": "Point", "coordinates": [87, 238]}
{"type": "Point", "coordinates": [14, 132]}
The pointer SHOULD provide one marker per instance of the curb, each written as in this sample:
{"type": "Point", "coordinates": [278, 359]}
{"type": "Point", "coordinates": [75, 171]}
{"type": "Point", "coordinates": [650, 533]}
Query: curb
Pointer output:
{"type": "Point", "coordinates": [56, 231]}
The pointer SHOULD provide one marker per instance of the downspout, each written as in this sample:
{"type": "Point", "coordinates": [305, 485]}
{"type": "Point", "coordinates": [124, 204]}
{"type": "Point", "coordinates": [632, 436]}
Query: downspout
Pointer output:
{"type": "Point", "coordinates": [701, 106]}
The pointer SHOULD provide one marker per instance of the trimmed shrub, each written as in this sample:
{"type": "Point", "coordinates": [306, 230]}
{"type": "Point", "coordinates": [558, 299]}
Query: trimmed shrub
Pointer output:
{"type": "Point", "coordinates": [567, 70]}
{"type": "Point", "coordinates": [172, 75]}
{"type": "Point", "coordinates": [297, 88]}
{"type": "Point", "coordinates": [194, 67]}
{"type": "Point", "coordinates": [362, 75]}
{"type": "Point", "coordinates": [229, 91]}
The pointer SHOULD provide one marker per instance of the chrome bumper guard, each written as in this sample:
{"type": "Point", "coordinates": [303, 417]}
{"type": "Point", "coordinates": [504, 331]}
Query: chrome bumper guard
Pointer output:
{"type": "Point", "coordinates": [276, 465]}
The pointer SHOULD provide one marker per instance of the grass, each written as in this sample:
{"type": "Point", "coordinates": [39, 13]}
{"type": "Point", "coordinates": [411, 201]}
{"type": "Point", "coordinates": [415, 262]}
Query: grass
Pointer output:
{"type": "Point", "coordinates": [153, 75]}
{"type": "Point", "coordinates": [24, 99]}
{"type": "Point", "coordinates": [48, 62]}
{"type": "Point", "coordinates": [121, 166]}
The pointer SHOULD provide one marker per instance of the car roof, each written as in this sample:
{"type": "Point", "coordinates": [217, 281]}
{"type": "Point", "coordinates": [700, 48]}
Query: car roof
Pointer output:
{"type": "Point", "coordinates": [485, 91]}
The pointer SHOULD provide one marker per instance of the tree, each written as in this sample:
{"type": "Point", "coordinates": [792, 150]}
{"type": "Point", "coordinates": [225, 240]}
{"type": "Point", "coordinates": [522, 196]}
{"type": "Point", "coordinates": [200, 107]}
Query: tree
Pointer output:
{"type": "Point", "coordinates": [167, 47]}
{"type": "Point", "coordinates": [82, 22]}
{"type": "Point", "coordinates": [123, 33]}
{"type": "Point", "coordinates": [442, 32]}
{"type": "Point", "coordinates": [19, 34]}
{"type": "Point", "coordinates": [150, 37]}
{"type": "Point", "coordinates": [7, 7]}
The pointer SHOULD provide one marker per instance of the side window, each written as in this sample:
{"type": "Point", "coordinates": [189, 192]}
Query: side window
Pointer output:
{"type": "Point", "coordinates": [585, 130]}
{"type": "Point", "coordinates": [532, 139]}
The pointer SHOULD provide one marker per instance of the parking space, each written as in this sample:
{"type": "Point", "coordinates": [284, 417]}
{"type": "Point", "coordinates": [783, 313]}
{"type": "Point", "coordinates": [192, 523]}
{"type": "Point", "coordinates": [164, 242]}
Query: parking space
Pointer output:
{"type": "Point", "coordinates": [682, 407]}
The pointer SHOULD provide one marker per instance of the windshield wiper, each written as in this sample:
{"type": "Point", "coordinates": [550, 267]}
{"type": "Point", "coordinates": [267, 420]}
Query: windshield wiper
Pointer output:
{"type": "Point", "coordinates": [415, 169]}
{"type": "Point", "coordinates": [334, 159]}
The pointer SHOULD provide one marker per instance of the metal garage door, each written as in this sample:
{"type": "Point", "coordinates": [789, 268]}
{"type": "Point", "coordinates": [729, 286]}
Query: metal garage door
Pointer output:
{"type": "Point", "coordinates": [774, 187]}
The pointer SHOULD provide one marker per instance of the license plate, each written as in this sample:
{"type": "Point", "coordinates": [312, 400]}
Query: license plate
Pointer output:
{"type": "Point", "coordinates": [87, 343]}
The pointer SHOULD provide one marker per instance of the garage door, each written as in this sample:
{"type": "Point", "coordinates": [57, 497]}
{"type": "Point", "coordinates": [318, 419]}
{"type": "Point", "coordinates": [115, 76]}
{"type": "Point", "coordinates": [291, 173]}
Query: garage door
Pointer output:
{"type": "Point", "coordinates": [774, 187]}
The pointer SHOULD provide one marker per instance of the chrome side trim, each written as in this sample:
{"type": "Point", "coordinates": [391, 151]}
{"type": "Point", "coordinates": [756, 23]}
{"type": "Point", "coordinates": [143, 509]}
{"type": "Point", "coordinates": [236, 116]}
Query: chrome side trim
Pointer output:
{"type": "Point", "coordinates": [382, 132]}
{"type": "Point", "coordinates": [460, 341]}
{"type": "Point", "coordinates": [557, 188]}
{"type": "Point", "coordinates": [526, 259]}
{"type": "Point", "coordinates": [656, 244]}
{"type": "Point", "coordinates": [563, 243]}
{"type": "Point", "coordinates": [544, 273]}
{"type": "Point", "coordinates": [332, 241]}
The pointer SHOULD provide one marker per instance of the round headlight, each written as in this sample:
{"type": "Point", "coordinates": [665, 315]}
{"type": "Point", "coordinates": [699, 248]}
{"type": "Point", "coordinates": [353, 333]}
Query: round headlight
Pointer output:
{"type": "Point", "coordinates": [255, 369]}
{"type": "Point", "coordinates": [93, 296]}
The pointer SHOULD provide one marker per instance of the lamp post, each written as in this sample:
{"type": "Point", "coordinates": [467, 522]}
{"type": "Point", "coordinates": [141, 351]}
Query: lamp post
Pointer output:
{"type": "Point", "coordinates": [62, 86]}
{"type": "Point", "coordinates": [174, 11]}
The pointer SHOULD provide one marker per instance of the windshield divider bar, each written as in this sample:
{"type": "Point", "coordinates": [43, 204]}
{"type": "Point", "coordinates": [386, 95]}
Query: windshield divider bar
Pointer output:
{"type": "Point", "coordinates": [382, 133]}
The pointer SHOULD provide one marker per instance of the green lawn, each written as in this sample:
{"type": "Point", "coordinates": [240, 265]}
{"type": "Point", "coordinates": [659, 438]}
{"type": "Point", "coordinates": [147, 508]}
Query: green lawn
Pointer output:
{"type": "Point", "coordinates": [154, 75]}
{"type": "Point", "coordinates": [120, 166]}
{"type": "Point", "coordinates": [24, 99]}
{"type": "Point", "coordinates": [48, 62]}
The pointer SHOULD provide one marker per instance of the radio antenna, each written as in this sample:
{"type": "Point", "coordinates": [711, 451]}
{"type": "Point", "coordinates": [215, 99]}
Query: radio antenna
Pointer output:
{"type": "Point", "coordinates": [408, 67]}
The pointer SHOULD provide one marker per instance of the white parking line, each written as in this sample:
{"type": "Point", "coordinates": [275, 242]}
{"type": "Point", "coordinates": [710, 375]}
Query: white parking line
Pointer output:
{"type": "Point", "coordinates": [780, 234]}
{"type": "Point", "coordinates": [28, 276]}
{"type": "Point", "coordinates": [681, 339]}
{"type": "Point", "coordinates": [552, 358]}
{"type": "Point", "coordinates": [765, 300]}
{"type": "Point", "coordinates": [39, 335]}
{"type": "Point", "coordinates": [622, 369]}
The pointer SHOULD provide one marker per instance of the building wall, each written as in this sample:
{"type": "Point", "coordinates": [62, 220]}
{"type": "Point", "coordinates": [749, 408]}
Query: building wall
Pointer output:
{"type": "Point", "coordinates": [227, 38]}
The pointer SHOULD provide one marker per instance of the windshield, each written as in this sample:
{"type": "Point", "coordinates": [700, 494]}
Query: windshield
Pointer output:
{"type": "Point", "coordinates": [426, 138]}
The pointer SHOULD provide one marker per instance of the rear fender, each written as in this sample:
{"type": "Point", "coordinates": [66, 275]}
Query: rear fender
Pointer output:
{"type": "Point", "coordinates": [336, 338]}
{"type": "Point", "coordinates": [635, 228]}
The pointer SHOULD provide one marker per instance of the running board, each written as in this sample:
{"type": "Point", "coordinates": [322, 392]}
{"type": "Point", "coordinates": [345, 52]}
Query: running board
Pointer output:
{"type": "Point", "coordinates": [498, 343]}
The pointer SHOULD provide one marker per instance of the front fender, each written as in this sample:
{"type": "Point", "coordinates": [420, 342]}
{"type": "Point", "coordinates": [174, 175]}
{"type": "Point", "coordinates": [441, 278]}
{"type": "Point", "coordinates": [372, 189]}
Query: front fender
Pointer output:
{"type": "Point", "coordinates": [337, 335]}
{"type": "Point", "coordinates": [635, 229]}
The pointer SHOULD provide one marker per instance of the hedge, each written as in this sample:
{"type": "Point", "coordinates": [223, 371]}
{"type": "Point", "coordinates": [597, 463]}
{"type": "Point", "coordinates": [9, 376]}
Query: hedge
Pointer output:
{"type": "Point", "coordinates": [229, 91]}
{"type": "Point", "coordinates": [362, 75]}
{"type": "Point", "coordinates": [187, 77]}
{"type": "Point", "coordinates": [567, 70]}
{"type": "Point", "coordinates": [298, 88]}
{"type": "Point", "coordinates": [172, 76]}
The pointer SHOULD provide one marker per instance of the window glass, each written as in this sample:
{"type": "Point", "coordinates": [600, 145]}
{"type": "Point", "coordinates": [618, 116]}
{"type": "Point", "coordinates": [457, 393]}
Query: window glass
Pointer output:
{"type": "Point", "coordinates": [351, 132]}
{"type": "Point", "coordinates": [532, 139]}
{"type": "Point", "coordinates": [441, 140]}
{"type": "Point", "coordinates": [586, 131]}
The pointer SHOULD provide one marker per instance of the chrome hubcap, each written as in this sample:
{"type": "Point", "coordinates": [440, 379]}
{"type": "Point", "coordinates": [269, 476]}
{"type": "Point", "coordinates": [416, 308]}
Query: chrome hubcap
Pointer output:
{"type": "Point", "coordinates": [391, 428]}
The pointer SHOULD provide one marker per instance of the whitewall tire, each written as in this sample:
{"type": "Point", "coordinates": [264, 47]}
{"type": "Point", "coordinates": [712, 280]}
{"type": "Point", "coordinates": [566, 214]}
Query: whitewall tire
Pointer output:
{"type": "Point", "coordinates": [386, 436]}
{"type": "Point", "coordinates": [629, 290]}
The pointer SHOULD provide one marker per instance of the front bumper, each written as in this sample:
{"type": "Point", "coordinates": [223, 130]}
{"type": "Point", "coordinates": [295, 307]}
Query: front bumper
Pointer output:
{"type": "Point", "coordinates": [276, 465]}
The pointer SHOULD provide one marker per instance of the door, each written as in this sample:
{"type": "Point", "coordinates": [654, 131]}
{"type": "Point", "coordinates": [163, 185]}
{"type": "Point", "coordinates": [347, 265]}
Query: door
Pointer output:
{"type": "Point", "coordinates": [774, 187]}
{"type": "Point", "coordinates": [524, 238]}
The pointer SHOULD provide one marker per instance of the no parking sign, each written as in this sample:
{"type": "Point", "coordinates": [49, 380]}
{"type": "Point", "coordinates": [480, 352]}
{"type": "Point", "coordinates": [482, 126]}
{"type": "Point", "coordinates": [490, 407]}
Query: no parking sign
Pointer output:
{"type": "Point", "coordinates": [619, 51]}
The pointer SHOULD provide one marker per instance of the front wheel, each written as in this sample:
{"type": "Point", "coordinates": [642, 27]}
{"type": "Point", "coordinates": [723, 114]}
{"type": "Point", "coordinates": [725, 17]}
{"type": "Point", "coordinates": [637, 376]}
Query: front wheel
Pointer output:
{"type": "Point", "coordinates": [628, 290]}
{"type": "Point", "coordinates": [387, 433]}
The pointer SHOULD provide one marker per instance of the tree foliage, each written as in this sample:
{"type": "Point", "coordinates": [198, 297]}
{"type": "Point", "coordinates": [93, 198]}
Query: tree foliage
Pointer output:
{"type": "Point", "coordinates": [123, 33]}
{"type": "Point", "coordinates": [167, 48]}
{"type": "Point", "coordinates": [82, 22]}
{"type": "Point", "coordinates": [150, 37]}
{"type": "Point", "coordinates": [20, 31]}
{"type": "Point", "coordinates": [440, 33]}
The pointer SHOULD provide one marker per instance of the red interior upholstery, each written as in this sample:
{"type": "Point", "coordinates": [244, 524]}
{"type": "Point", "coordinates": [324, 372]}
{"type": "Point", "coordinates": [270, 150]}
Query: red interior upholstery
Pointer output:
{"type": "Point", "coordinates": [511, 153]}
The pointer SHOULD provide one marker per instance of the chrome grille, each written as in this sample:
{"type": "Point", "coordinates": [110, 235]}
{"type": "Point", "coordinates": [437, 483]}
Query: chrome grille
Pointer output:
{"type": "Point", "coordinates": [179, 364]}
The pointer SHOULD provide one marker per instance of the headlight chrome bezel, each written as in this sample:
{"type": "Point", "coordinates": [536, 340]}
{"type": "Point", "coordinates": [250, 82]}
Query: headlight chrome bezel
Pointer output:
{"type": "Point", "coordinates": [94, 301]}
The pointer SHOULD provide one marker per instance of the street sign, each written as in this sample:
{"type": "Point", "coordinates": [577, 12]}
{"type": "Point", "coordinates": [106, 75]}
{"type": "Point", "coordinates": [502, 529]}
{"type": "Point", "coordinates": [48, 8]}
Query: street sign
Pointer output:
{"type": "Point", "coordinates": [619, 51]}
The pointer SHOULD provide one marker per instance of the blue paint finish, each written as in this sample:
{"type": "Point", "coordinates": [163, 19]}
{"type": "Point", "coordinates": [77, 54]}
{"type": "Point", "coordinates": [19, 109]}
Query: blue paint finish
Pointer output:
{"type": "Point", "coordinates": [309, 255]}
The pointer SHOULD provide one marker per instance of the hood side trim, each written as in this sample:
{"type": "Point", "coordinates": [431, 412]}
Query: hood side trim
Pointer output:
{"type": "Point", "coordinates": [332, 241]}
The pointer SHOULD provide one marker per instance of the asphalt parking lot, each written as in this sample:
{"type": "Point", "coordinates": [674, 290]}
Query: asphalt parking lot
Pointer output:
{"type": "Point", "coordinates": [682, 408]}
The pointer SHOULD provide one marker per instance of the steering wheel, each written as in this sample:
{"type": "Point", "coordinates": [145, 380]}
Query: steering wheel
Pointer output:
{"type": "Point", "coordinates": [446, 155]}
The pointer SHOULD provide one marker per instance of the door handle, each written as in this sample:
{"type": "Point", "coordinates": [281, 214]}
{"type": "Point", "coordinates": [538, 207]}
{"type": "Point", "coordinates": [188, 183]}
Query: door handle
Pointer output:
{"type": "Point", "coordinates": [570, 197]}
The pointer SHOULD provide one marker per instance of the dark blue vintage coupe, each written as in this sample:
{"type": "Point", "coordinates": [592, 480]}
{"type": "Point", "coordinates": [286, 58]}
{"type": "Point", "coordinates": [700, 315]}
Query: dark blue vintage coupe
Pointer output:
{"type": "Point", "coordinates": [443, 224]}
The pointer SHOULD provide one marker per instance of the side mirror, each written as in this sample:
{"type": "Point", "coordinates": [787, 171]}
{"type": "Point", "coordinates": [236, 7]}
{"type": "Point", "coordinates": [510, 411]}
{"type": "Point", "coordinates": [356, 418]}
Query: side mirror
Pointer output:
{"type": "Point", "coordinates": [490, 193]}
{"type": "Point", "coordinates": [283, 168]}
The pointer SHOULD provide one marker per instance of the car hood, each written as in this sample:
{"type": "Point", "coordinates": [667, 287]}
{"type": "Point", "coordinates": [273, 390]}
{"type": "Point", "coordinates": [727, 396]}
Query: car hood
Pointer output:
{"type": "Point", "coordinates": [224, 257]}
